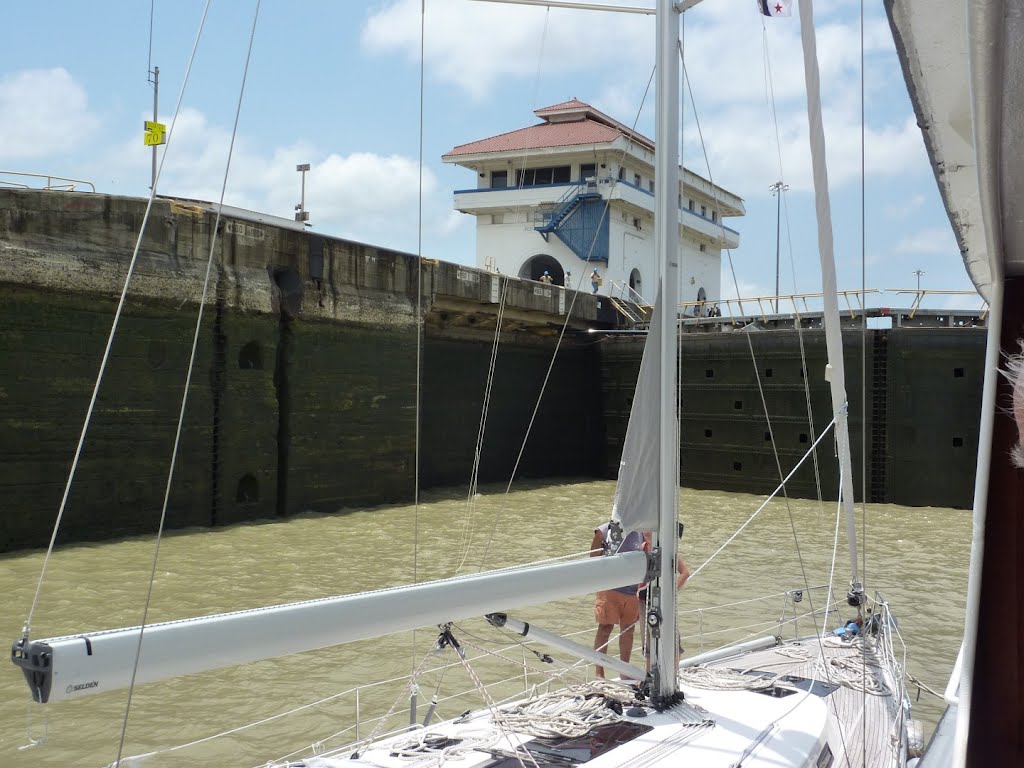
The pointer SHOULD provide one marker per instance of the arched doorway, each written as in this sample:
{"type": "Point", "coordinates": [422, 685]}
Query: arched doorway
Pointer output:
{"type": "Point", "coordinates": [535, 266]}
{"type": "Point", "coordinates": [636, 283]}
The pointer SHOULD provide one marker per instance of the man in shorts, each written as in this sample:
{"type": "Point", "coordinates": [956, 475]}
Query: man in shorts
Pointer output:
{"type": "Point", "coordinates": [619, 606]}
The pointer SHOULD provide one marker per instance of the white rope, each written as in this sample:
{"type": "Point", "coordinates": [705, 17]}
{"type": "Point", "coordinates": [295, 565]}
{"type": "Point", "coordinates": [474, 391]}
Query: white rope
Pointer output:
{"type": "Point", "coordinates": [720, 679]}
{"type": "Point", "coordinates": [859, 673]}
{"type": "Point", "coordinates": [425, 743]}
{"type": "Point", "coordinates": [571, 712]}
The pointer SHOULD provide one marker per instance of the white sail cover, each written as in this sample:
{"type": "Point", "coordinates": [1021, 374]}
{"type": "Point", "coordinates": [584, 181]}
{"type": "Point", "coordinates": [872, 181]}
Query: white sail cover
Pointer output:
{"type": "Point", "coordinates": [635, 507]}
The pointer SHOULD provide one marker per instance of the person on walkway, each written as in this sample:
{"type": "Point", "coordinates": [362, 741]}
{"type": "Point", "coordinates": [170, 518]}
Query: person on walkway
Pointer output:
{"type": "Point", "coordinates": [595, 280]}
{"type": "Point", "coordinates": [546, 277]}
{"type": "Point", "coordinates": [619, 606]}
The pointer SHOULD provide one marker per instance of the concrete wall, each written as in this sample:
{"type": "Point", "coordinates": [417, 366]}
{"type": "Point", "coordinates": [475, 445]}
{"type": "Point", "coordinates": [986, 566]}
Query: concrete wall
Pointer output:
{"type": "Point", "coordinates": [922, 408]}
{"type": "Point", "coordinates": [304, 391]}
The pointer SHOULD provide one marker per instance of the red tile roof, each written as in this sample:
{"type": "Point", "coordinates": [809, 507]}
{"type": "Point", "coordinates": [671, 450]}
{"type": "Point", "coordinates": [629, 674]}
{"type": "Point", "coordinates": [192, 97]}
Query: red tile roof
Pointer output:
{"type": "Point", "coordinates": [572, 103]}
{"type": "Point", "coordinates": [590, 127]}
{"type": "Point", "coordinates": [540, 136]}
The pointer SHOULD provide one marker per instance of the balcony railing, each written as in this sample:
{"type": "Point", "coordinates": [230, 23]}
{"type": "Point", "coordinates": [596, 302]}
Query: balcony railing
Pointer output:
{"type": "Point", "coordinates": [52, 182]}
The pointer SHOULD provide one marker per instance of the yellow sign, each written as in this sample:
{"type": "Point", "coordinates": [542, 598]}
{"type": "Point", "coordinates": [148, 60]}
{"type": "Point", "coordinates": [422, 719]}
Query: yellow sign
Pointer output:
{"type": "Point", "coordinates": [154, 134]}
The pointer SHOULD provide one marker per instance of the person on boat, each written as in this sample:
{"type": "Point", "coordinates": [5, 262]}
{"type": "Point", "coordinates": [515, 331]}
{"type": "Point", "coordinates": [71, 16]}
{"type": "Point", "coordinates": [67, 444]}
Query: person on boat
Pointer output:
{"type": "Point", "coordinates": [619, 606]}
{"type": "Point", "coordinates": [546, 277]}
{"type": "Point", "coordinates": [567, 282]}
{"type": "Point", "coordinates": [595, 280]}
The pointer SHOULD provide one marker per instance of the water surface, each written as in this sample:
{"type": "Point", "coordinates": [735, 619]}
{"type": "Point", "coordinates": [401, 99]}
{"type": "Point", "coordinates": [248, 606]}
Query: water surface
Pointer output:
{"type": "Point", "coordinates": [917, 557]}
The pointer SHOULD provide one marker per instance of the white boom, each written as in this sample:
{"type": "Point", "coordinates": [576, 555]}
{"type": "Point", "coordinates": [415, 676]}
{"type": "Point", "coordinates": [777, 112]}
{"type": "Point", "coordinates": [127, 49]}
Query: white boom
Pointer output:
{"type": "Point", "coordinates": [78, 665]}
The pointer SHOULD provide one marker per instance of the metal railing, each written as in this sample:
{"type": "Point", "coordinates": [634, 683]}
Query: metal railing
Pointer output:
{"type": "Point", "coordinates": [920, 293]}
{"type": "Point", "coordinates": [799, 304]}
{"type": "Point", "coordinates": [66, 184]}
{"type": "Point", "coordinates": [629, 303]}
{"type": "Point", "coordinates": [769, 306]}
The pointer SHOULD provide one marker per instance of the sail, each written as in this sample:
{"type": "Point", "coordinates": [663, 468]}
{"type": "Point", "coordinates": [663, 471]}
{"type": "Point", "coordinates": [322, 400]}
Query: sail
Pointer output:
{"type": "Point", "coordinates": [635, 506]}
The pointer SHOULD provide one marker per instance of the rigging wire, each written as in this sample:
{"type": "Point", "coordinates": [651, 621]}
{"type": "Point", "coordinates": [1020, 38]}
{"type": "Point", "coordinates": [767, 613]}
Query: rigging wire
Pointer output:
{"type": "Point", "coordinates": [149, 56]}
{"type": "Point", "coordinates": [863, 359]}
{"type": "Point", "coordinates": [758, 377]}
{"type": "Point", "coordinates": [558, 343]}
{"type": "Point", "coordinates": [188, 383]}
{"type": "Point", "coordinates": [763, 504]}
{"type": "Point", "coordinates": [520, 183]}
{"type": "Point", "coordinates": [26, 629]}
{"type": "Point", "coordinates": [467, 530]}
{"type": "Point", "coordinates": [736, 288]}
{"type": "Point", "coordinates": [864, 321]}
{"type": "Point", "coordinates": [770, 97]}
{"type": "Point", "coordinates": [419, 325]}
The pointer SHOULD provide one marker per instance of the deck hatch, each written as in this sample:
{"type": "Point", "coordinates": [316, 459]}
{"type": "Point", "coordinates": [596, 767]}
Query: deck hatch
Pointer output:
{"type": "Point", "coordinates": [567, 751]}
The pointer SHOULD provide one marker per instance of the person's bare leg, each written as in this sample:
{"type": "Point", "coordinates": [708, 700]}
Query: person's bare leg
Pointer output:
{"type": "Point", "coordinates": [626, 644]}
{"type": "Point", "coordinates": [604, 631]}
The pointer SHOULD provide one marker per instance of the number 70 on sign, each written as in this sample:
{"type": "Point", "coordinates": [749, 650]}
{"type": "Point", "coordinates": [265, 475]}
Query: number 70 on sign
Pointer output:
{"type": "Point", "coordinates": [154, 133]}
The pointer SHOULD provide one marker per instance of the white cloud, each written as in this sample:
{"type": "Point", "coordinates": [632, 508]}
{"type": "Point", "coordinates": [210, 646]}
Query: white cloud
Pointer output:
{"type": "Point", "coordinates": [481, 47]}
{"type": "Point", "coordinates": [928, 242]}
{"type": "Point", "coordinates": [475, 45]}
{"type": "Point", "coordinates": [42, 112]}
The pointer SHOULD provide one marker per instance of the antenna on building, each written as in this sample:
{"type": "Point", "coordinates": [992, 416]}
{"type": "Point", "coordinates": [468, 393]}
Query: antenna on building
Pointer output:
{"type": "Point", "coordinates": [301, 214]}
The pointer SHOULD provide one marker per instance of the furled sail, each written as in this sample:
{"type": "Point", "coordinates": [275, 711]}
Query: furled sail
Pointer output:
{"type": "Point", "coordinates": [635, 507]}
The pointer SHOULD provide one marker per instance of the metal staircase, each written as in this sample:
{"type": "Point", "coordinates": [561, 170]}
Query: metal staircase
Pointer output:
{"type": "Point", "coordinates": [629, 304]}
{"type": "Point", "coordinates": [578, 219]}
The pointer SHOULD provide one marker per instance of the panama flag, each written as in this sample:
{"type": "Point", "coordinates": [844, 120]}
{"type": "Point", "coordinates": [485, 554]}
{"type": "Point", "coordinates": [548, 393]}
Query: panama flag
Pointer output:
{"type": "Point", "coordinates": [774, 7]}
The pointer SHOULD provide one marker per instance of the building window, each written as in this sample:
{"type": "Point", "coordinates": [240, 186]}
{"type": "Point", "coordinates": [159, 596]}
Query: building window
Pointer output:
{"type": "Point", "coordinates": [622, 173]}
{"type": "Point", "coordinates": [533, 176]}
{"type": "Point", "coordinates": [499, 179]}
{"type": "Point", "coordinates": [703, 248]}
{"type": "Point", "coordinates": [497, 218]}
{"type": "Point", "coordinates": [636, 179]}
{"type": "Point", "coordinates": [636, 223]}
{"type": "Point", "coordinates": [650, 186]}
{"type": "Point", "coordinates": [704, 211]}
{"type": "Point", "coordinates": [680, 202]}
{"type": "Point", "coordinates": [689, 205]}
{"type": "Point", "coordinates": [587, 171]}
{"type": "Point", "coordinates": [714, 215]}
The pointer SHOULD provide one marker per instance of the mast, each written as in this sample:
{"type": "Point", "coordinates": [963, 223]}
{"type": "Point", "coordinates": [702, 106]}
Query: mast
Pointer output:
{"type": "Point", "coordinates": [662, 620]}
{"type": "Point", "coordinates": [834, 373]}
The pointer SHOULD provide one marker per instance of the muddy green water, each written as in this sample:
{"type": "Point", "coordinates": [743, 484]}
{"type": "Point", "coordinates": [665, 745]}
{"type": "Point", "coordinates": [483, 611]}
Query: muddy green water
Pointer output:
{"type": "Point", "coordinates": [917, 557]}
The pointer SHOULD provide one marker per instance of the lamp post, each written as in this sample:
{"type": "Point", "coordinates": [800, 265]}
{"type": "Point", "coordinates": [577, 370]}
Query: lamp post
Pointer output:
{"type": "Point", "coordinates": [777, 189]}
{"type": "Point", "coordinates": [301, 214]}
{"type": "Point", "coordinates": [918, 273]}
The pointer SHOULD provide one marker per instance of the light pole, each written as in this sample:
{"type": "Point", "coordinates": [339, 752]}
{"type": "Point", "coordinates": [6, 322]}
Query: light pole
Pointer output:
{"type": "Point", "coordinates": [919, 272]}
{"type": "Point", "coordinates": [301, 214]}
{"type": "Point", "coordinates": [777, 189]}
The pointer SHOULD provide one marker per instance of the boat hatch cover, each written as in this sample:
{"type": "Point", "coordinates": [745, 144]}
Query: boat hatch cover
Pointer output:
{"type": "Point", "coordinates": [563, 752]}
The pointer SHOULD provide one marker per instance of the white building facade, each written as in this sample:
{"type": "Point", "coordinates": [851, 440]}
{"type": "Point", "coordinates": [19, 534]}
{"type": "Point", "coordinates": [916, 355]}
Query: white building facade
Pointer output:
{"type": "Point", "coordinates": [575, 193]}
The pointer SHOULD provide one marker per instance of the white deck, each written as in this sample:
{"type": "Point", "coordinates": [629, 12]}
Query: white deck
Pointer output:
{"type": "Point", "coordinates": [716, 727]}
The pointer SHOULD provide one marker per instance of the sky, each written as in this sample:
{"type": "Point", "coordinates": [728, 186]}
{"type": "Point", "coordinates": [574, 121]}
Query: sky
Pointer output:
{"type": "Point", "coordinates": [337, 84]}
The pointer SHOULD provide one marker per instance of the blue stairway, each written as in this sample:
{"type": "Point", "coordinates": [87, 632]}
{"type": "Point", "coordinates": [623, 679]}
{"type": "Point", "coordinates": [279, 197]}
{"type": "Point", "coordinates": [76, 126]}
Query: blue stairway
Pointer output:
{"type": "Point", "coordinates": [579, 220]}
